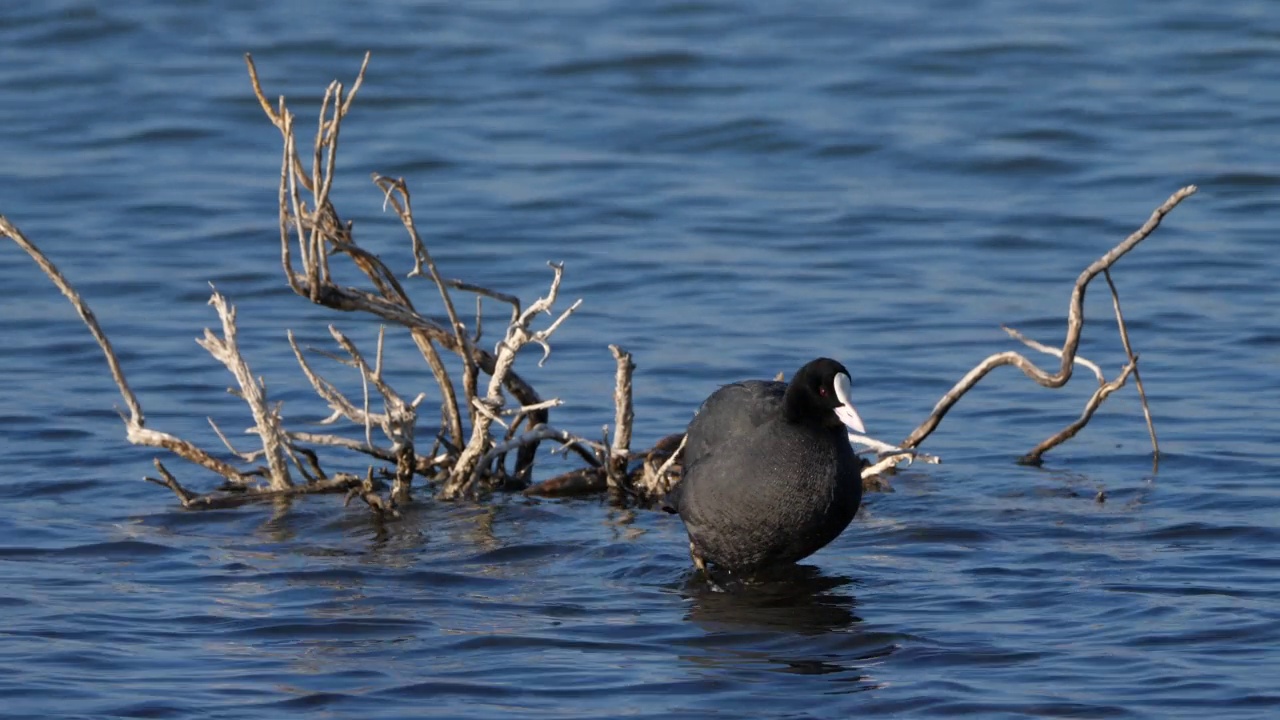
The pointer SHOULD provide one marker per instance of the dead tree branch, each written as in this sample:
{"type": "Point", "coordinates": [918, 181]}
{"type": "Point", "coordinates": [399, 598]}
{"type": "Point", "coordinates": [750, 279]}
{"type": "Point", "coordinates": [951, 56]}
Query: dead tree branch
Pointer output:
{"type": "Point", "coordinates": [1075, 322]}
{"type": "Point", "coordinates": [519, 334]}
{"type": "Point", "coordinates": [277, 446]}
{"type": "Point", "coordinates": [396, 192]}
{"type": "Point", "coordinates": [624, 416]}
{"type": "Point", "coordinates": [252, 390]}
{"type": "Point", "coordinates": [469, 454]}
{"type": "Point", "coordinates": [11, 231]}
{"type": "Point", "coordinates": [319, 231]}
{"type": "Point", "coordinates": [1034, 457]}
{"type": "Point", "coordinates": [137, 431]}
{"type": "Point", "coordinates": [535, 434]}
{"type": "Point", "coordinates": [1133, 361]}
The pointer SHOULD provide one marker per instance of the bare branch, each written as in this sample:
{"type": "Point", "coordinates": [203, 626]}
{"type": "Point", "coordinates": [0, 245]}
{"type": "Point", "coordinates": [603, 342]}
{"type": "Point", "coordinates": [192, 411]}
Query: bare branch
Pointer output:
{"type": "Point", "coordinates": [675, 456]}
{"type": "Point", "coordinates": [1056, 352]}
{"type": "Point", "coordinates": [185, 496]}
{"type": "Point", "coordinates": [341, 406]}
{"type": "Point", "coordinates": [245, 456]}
{"type": "Point", "coordinates": [624, 416]}
{"type": "Point", "coordinates": [1034, 457]}
{"type": "Point", "coordinates": [1133, 360]}
{"type": "Point", "coordinates": [537, 433]}
{"type": "Point", "coordinates": [1075, 321]}
{"type": "Point", "coordinates": [275, 118]}
{"type": "Point", "coordinates": [885, 463]}
{"type": "Point", "coordinates": [397, 193]}
{"type": "Point", "coordinates": [213, 501]}
{"type": "Point", "coordinates": [60, 281]}
{"type": "Point", "coordinates": [518, 335]}
{"type": "Point", "coordinates": [524, 410]}
{"type": "Point", "coordinates": [511, 300]}
{"type": "Point", "coordinates": [266, 420]}
{"type": "Point", "coordinates": [135, 425]}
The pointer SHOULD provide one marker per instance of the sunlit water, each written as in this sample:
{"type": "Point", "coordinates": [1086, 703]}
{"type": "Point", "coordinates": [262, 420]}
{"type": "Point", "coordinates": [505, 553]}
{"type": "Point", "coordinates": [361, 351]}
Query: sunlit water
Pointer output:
{"type": "Point", "coordinates": [734, 191]}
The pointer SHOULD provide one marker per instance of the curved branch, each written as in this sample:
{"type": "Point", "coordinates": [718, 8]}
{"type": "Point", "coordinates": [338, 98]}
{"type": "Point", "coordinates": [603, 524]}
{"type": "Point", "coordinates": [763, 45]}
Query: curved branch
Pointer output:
{"type": "Point", "coordinates": [1075, 322]}
{"type": "Point", "coordinates": [130, 400]}
{"type": "Point", "coordinates": [1065, 434]}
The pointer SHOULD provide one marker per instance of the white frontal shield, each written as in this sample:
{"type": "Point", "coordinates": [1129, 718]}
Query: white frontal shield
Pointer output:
{"type": "Point", "coordinates": [845, 411]}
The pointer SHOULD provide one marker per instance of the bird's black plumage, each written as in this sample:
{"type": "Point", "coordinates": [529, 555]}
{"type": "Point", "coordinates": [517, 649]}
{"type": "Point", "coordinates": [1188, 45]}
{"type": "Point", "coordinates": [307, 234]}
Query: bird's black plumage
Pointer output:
{"type": "Point", "coordinates": [769, 475]}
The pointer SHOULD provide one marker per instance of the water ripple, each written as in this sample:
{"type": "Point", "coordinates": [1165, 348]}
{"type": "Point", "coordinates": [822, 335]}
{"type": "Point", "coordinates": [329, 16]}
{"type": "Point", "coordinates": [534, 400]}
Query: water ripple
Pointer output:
{"type": "Point", "coordinates": [734, 187]}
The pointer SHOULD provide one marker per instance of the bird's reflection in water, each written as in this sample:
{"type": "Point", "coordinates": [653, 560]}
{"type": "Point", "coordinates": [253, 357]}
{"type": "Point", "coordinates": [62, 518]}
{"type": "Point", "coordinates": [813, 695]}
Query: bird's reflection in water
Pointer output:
{"type": "Point", "coordinates": [793, 620]}
{"type": "Point", "coordinates": [794, 598]}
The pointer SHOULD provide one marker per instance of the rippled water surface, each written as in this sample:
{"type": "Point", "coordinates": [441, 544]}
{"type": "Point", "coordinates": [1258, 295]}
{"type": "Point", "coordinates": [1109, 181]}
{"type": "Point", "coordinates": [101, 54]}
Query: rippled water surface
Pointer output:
{"type": "Point", "coordinates": [734, 188]}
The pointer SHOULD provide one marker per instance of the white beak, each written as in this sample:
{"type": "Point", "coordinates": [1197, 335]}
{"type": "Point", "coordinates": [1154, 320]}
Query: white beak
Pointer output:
{"type": "Point", "coordinates": [845, 411]}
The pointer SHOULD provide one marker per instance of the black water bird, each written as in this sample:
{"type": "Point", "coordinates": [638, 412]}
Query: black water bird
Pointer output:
{"type": "Point", "coordinates": [769, 475]}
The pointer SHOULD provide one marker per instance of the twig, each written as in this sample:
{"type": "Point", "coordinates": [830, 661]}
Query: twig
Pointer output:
{"type": "Point", "coordinates": [518, 335]}
{"type": "Point", "coordinates": [1075, 321]}
{"type": "Point", "coordinates": [245, 456]}
{"type": "Point", "coordinates": [884, 449]}
{"type": "Point", "coordinates": [1133, 360]}
{"type": "Point", "coordinates": [60, 281]}
{"type": "Point", "coordinates": [215, 501]}
{"type": "Point", "coordinates": [185, 496]}
{"type": "Point", "coordinates": [624, 416]}
{"type": "Point", "coordinates": [367, 490]}
{"type": "Point", "coordinates": [525, 410]}
{"type": "Point", "coordinates": [885, 463]}
{"type": "Point", "coordinates": [1034, 457]}
{"type": "Point", "coordinates": [397, 193]}
{"type": "Point", "coordinates": [1056, 352]}
{"type": "Point", "coordinates": [673, 458]}
{"type": "Point", "coordinates": [511, 300]}
{"type": "Point", "coordinates": [135, 425]}
{"type": "Point", "coordinates": [535, 434]}
{"type": "Point", "coordinates": [252, 390]}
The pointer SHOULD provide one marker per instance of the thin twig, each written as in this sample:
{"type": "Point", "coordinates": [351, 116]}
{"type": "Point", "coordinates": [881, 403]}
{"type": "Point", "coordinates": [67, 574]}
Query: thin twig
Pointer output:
{"type": "Point", "coordinates": [511, 300]}
{"type": "Point", "coordinates": [397, 193]}
{"type": "Point", "coordinates": [135, 425]}
{"type": "Point", "coordinates": [673, 458]}
{"type": "Point", "coordinates": [535, 434]}
{"type": "Point", "coordinates": [887, 462]}
{"type": "Point", "coordinates": [1133, 360]}
{"type": "Point", "coordinates": [884, 449]}
{"type": "Point", "coordinates": [1056, 352]}
{"type": "Point", "coordinates": [60, 281]}
{"type": "Point", "coordinates": [245, 456]}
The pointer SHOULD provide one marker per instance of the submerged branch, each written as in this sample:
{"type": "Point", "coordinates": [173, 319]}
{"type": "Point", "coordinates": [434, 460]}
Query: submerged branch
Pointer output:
{"type": "Point", "coordinates": [468, 457]}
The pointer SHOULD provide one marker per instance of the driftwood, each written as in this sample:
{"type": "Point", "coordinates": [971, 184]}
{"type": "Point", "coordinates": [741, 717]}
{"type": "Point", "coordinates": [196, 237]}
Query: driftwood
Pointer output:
{"type": "Point", "coordinates": [1067, 354]}
{"type": "Point", "coordinates": [494, 412]}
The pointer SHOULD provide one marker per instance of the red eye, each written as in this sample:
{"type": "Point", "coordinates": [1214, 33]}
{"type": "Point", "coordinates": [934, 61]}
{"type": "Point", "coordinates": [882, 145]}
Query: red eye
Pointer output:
{"type": "Point", "coordinates": [822, 391]}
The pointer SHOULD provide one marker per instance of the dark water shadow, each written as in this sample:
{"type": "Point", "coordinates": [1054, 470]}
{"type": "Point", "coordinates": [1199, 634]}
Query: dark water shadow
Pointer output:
{"type": "Point", "coordinates": [796, 598]}
{"type": "Point", "coordinates": [795, 620]}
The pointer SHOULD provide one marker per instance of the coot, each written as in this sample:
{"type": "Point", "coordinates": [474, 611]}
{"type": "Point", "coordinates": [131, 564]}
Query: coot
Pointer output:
{"type": "Point", "coordinates": [769, 475]}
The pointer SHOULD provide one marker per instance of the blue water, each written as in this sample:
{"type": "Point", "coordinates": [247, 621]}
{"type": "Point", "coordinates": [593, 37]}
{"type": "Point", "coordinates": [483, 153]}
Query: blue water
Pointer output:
{"type": "Point", "coordinates": [735, 188]}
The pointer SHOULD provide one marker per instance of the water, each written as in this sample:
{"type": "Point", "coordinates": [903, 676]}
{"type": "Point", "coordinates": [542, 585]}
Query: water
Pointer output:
{"type": "Point", "coordinates": [735, 188]}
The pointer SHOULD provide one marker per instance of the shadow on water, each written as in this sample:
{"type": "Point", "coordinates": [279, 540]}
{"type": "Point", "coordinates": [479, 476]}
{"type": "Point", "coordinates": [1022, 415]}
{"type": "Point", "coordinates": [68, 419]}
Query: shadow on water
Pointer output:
{"type": "Point", "coordinates": [794, 620]}
{"type": "Point", "coordinates": [797, 599]}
